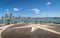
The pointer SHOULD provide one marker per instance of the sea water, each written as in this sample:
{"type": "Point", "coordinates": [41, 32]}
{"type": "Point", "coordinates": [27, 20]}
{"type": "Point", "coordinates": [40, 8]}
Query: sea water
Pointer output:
{"type": "Point", "coordinates": [32, 20]}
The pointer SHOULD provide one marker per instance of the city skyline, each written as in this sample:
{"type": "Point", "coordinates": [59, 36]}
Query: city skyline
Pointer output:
{"type": "Point", "coordinates": [33, 8]}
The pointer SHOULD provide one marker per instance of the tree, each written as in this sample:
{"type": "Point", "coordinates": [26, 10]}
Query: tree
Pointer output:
{"type": "Point", "coordinates": [8, 21]}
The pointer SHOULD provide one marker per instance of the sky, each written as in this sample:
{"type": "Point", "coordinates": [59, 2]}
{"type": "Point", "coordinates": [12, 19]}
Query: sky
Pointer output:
{"type": "Point", "coordinates": [33, 8]}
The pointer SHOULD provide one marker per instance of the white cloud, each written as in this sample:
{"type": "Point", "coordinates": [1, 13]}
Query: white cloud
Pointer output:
{"type": "Point", "coordinates": [15, 9]}
{"type": "Point", "coordinates": [48, 3]}
{"type": "Point", "coordinates": [35, 10]}
{"type": "Point", "coordinates": [6, 9]}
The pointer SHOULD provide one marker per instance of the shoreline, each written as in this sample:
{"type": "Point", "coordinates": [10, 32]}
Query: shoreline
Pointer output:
{"type": "Point", "coordinates": [32, 22]}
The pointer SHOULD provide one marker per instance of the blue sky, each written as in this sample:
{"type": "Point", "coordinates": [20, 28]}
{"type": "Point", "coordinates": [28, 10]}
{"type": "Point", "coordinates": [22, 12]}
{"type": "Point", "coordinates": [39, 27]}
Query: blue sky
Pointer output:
{"type": "Point", "coordinates": [34, 8]}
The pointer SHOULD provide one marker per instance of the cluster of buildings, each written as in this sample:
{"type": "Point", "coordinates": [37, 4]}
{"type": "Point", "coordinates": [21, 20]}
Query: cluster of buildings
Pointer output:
{"type": "Point", "coordinates": [10, 18]}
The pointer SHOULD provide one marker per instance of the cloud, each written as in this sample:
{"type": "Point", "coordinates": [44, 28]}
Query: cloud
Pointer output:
{"type": "Point", "coordinates": [15, 9]}
{"type": "Point", "coordinates": [48, 3]}
{"type": "Point", "coordinates": [6, 9]}
{"type": "Point", "coordinates": [35, 10]}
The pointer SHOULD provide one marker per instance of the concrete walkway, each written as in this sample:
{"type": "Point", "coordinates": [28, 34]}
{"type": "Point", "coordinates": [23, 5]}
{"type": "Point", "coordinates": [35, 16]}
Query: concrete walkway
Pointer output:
{"type": "Point", "coordinates": [5, 27]}
{"type": "Point", "coordinates": [37, 26]}
{"type": "Point", "coordinates": [34, 27]}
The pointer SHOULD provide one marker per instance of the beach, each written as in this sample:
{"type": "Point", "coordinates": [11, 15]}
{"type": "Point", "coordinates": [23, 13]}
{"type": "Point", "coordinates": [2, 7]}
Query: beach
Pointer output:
{"type": "Point", "coordinates": [32, 30]}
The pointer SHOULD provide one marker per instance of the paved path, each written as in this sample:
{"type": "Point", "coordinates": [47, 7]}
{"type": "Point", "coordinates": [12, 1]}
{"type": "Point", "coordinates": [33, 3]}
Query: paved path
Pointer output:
{"type": "Point", "coordinates": [5, 27]}
{"type": "Point", "coordinates": [37, 26]}
{"type": "Point", "coordinates": [34, 27]}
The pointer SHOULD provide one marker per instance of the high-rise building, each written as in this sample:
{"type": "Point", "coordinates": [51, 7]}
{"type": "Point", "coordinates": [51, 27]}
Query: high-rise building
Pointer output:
{"type": "Point", "coordinates": [2, 17]}
{"type": "Point", "coordinates": [6, 15]}
{"type": "Point", "coordinates": [11, 15]}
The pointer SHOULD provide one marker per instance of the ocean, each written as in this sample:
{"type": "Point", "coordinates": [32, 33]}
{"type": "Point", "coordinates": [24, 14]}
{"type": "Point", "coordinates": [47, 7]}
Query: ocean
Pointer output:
{"type": "Point", "coordinates": [33, 20]}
